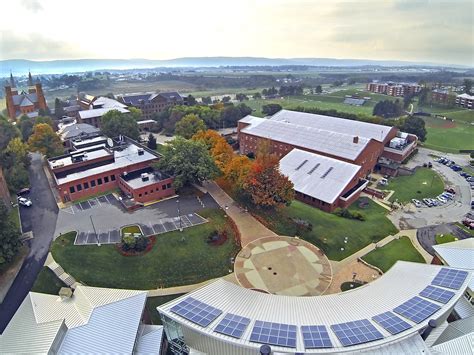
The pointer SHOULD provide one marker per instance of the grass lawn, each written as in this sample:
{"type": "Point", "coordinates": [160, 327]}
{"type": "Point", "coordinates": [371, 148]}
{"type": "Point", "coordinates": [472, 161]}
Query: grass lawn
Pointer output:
{"type": "Point", "coordinates": [177, 258]}
{"type": "Point", "coordinates": [329, 231]}
{"type": "Point", "coordinates": [448, 136]}
{"type": "Point", "coordinates": [424, 183]}
{"type": "Point", "coordinates": [153, 302]}
{"type": "Point", "coordinates": [464, 228]}
{"type": "Point", "coordinates": [47, 282]}
{"type": "Point", "coordinates": [386, 256]}
{"type": "Point", "coordinates": [445, 238]}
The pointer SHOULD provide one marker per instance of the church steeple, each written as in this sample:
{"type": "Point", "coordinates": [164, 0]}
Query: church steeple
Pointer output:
{"type": "Point", "coordinates": [30, 79]}
{"type": "Point", "coordinates": [12, 81]}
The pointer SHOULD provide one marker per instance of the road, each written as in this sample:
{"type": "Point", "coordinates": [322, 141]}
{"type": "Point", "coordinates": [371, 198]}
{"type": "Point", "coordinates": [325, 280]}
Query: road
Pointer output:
{"type": "Point", "coordinates": [41, 219]}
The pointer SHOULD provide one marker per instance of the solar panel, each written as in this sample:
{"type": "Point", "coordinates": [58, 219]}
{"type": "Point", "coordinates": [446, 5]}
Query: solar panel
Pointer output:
{"type": "Point", "coordinates": [391, 323]}
{"type": "Point", "coordinates": [315, 336]}
{"type": "Point", "coordinates": [356, 332]}
{"type": "Point", "coordinates": [437, 294]}
{"type": "Point", "coordinates": [196, 311]}
{"type": "Point", "coordinates": [417, 309]}
{"type": "Point", "coordinates": [232, 325]}
{"type": "Point", "coordinates": [274, 334]}
{"type": "Point", "coordinates": [450, 278]}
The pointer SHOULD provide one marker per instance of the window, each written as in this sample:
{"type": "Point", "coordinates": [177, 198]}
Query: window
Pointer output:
{"type": "Point", "coordinates": [79, 187]}
{"type": "Point", "coordinates": [112, 177]}
{"type": "Point", "coordinates": [146, 193]}
{"type": "Point", "coordinates": [86, 185]}
{"type": "Point", "coordinates": [106, 179]}
{"type": "Point", "coordinates": [93, 183]}
{"type": "Point", "coordinates": [139, 195]}
{"type": "Point", "coordinates": [168, 186]}
{"type": "Point", "coordinates": [99, 181]}
{"type": "Point", "coordinates": [163, 187]}
{"type": "Point", "coordinates": [71, 189]}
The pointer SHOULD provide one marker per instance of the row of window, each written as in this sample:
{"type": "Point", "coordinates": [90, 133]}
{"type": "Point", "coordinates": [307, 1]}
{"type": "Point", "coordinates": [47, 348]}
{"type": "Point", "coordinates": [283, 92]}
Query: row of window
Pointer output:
{"type": "Point", "coordinates": [312, 199]}
{"type": "Point", "coordinates": [91, 184]}
{"type": "Point", "coordinates": [163, 187]}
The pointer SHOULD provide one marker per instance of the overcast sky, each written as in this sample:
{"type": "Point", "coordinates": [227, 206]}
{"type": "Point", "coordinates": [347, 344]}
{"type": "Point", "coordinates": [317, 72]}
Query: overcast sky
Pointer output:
{"type": "Point", "coordinates": [414, 30]}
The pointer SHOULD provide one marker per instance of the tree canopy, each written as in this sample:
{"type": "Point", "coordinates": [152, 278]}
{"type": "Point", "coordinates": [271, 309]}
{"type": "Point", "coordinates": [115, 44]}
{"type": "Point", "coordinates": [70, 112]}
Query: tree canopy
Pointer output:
{"type": "Point", "coordinates": [9, 236]}
{"type": "Point", "coordinates": [151, 142]}
{"type": "Point", "coordinates": [115, 123]}
{"type": "Point", "coordinates": [415, 125]}
{"type": "Point", "coordinates": [45, 141]}
{"type": "Point", "coordinates": [271, 109]}
{"type": "Point", "coordinates": [189, 125]}
{"type": "Point", "coordinates": [388, 108]}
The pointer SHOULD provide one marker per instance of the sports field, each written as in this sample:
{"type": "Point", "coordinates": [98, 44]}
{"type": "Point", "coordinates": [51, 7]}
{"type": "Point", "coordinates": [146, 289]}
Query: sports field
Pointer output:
{"type": "Point", "coordinates": [447, 136]}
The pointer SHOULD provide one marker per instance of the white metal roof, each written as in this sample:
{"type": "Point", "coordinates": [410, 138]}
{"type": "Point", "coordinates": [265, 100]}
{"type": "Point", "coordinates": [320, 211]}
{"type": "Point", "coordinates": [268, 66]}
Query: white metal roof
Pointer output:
{"type": "Point", "coordinates": [252, 119]}
{"type": "Point", "coordinates": [463, 345]}
{"type": "Point", "coordinates": [108, 102]}
{"type": "Point", "coordinates": [402, 282]}
{"type": "Point", "coordinates": [99, 112]}
{"type": "Point", "coordinates": [466, 96]}
{"type": "Point", "coordinates": [98, 320]}
{"type": "Point", "coordinates": [316, 139]}
{"type": "Point", "coordinates": [334, 124]}
{"type": "Point", "coordinates": [149, 341]}
{"type": "Point", "coordinates": [459, 254]}
{"type": "Point", "coordinates": [307, 171]}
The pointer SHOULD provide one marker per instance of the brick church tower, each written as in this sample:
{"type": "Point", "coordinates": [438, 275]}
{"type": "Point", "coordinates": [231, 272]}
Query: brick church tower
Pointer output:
{"type": "Point", "coordinates": [24, 103]}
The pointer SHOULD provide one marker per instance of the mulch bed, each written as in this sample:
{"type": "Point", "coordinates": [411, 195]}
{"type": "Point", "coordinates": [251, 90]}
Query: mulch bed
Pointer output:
{"type": "Point", "coordinates": [222, 239]}
{"type": "Point", "coordinates": [151, 242]}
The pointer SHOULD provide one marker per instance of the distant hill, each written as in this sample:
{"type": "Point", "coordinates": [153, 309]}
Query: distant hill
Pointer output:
{"type": "Point", "coordinates": [21, 66]}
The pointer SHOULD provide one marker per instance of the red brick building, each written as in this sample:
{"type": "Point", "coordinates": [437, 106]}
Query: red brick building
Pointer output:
{"type": "Point", "coordinates": [93, 108]}
{"type": "Point", "coordinates": [24, 103]}
{"type": "Point", "coordinates": [394, 89]}
{"type": "Point", "coordinates": [439, 95]}
{"type": "Point", "coordinates": [99, 169]}
{"type": "Point", "coordinates": [357, 143]}
{"type": "Point", "coordinates": [151, 104]}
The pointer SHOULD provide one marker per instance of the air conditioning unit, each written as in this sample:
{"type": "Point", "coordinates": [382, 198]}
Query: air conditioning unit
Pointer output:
{"type": "Point", "coordinates": [141, 151]}
{"type": "Point", "coordinates": [145, 177]}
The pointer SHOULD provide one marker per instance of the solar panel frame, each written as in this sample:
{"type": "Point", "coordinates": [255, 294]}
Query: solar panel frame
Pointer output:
{"type": "Point", "coordinates": [356, 332]}
{"type": "Point", "coordinates": [277, 334]}
{"type": "Point", "coordinates": [450, 278]}
{"type": "Point", "coordinates": [437, 294]}
{"type": "Point", "coordinates": [315, 337]}
{"type": "Point", "coordinates": [232, 325]}
{"type": "Point", "coordinates": [196, 311]}
{"type": "Point", "coordinates": [391, 322]}
{"type": "Point", "coordinates": [417, 309]}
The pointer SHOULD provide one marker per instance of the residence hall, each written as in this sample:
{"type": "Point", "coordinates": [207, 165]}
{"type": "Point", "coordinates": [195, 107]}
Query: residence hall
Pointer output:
{"type": "Point", "coordinates": [151, 104]}
{"type": "Point", "coordinates": [104, 167]}
{"type": "Point", "coordinates": [331, 142]}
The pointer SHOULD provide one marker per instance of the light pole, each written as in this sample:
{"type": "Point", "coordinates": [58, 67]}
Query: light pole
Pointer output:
{"type": "Point", "coordinates": [96, 235]}
{"type": "Point", "coordinates": [179, 216]}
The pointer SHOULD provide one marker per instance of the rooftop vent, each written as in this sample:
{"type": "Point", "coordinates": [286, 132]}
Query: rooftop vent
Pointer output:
{"type": "Point", "coordinates": [327, 172]}
{"type": "Point", "coordinates": [65, 293]}
{"type": "Point", "coordinates": [314, 168]}
{"type": "Point", "coordinates": [355, 140]}
{"type": "Point", "coordinates": [145, 177]}
{"type": "Point", "coordinates": [301, 165]}
{"type": "Point", "coordinates": [141, 151]}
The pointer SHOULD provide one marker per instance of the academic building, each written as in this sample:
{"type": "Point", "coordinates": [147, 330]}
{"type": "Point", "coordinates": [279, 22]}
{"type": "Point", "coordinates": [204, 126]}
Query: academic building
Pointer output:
{"type": "Point", "coordinates": [24, 102]}
{"type": "Point", "coordinates": [328, 159]}
{"type": "Point", "coordinates": [151, 104]}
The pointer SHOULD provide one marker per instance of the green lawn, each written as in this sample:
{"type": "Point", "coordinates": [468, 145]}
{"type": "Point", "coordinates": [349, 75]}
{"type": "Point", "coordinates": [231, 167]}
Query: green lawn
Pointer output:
{"type": "Point", "coordinates": [47, 282]}
{"type": "Point", "coordinates": [445, 238]}
{"type": "Point", "coordinates": [153, 302]}
{"type": "Point", "coordinates": [329, 231]}
{"type": "Point", "coordinates": [424, 183]}
{"type": "Point", "coordinates": [389, 254]}
{"type": "Point", "coordinates": [450, 139]}
{"type": "Point", "coordinates": [177, 258]}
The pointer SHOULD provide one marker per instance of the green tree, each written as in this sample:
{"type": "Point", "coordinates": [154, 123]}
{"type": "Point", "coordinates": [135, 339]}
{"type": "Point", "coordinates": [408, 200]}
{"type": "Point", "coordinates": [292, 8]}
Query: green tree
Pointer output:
{"type": "Point", "coordinates": [115, 123]}
{"type": "Point", "coordinates": [9, 236]}
{"type": "Point", "coordinates": [7, 132]}
{"type": "Point", "coordinates": [45, 141]}
{"type": "Point", "coordinates": [271, 109]}
{"type": "Point", "coordinates": [188, 161]}
{"type": "Point", "coordinates": [26, 127]}
{"type": "Point", "coordinates": [206, 100]}
{"type": "Point", "coordinates": [58, 108]}
{"type": "Point", "coordinates": [423, 97]}
{"type": "Point", "coordinates": [45, 119]}
{"type": "Point", "coordinates": [319, 89]}
{"type": "Point", "coordinates": [189, 125]}
{"type": "Point", "coordinates": [467, 83]}
{"type": "Point", "coordinates": [135, 113]}
{"type": "Point", "coordinates": [414, 125]}
{"type": "Point", "coordinates": [191, 100]}
{"type": "Point", "coordinates": [151, 142]}
{"type": "Point", "coordinates": [257, 96]}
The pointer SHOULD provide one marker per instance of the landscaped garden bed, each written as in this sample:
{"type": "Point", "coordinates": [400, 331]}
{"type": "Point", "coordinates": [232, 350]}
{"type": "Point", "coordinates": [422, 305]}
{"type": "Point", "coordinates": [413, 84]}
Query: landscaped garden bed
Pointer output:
{"type": "Point", "coordinates": [350, 285]}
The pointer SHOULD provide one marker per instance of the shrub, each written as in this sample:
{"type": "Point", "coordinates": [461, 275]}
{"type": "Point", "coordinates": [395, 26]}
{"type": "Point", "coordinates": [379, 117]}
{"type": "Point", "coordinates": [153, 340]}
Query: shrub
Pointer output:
{"type": "Point", "coordinates": [345, 213]}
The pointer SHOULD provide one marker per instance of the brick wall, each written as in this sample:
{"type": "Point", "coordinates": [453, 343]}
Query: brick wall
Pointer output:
{"type": "Point", "coordinates": [152, 192]}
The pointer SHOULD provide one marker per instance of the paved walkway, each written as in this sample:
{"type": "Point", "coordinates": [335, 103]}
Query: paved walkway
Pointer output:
{"type": "Point", "coordinates": [59, 271]}
{"type": "Point", "coordinates": [250, 229]}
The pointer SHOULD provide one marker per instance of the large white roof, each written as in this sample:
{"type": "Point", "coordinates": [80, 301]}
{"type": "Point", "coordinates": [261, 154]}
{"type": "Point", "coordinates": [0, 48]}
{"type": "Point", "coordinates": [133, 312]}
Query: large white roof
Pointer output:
{"type": "Point", "coordinates": [99, 112]}
{"type": "Point", "coordinates": [96, 320]}
{"type": "Point", "coordinates": [402, 282]}
{"type": "Point", "coordinates": [307, 171]}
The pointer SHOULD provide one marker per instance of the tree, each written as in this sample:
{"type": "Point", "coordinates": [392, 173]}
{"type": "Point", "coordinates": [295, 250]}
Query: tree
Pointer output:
{"type": "Point", "coordinates": [319, 89]}
{"type": "Point", "coordinates": [257, 96]}
{"type": "Point", "coordinates": [45, 141]}
{"type": "Point", "coordinates": [189, 125]}
{"type": "Point", "coordinates": [244, 110]}
{"type": "Point", "coordinates": [266, 186]}
{"type": "Point", "coordinates": [151, 142]}
{"type": "Point", "coordinates": [415, 125]}
{"type": "Point", "coordinates": [9, 236]}
{"type": "Point", "coordinates": [271, 109]}
{"type": "Point", "coordinates": [423, 97]}
{"type": "Point", "coordinates": [7, 132]}
{"type": "Point", "coordinates": [209, 137]}
{"type": "Point", "coordinates": [26, 127]}
{"type": "Point", "coordinates": [188, 161]}
{"type": "Point", "coordinates": [467, 83]}
{"type": "Point", "coordinates": [19, 151]}
{"type": "Point", "coordinates": [230, 116]}
{"type": "Point", "coordinates": [135, 113]}
{"type": "Point", "coordinates": [45, 119]}
{"type": "Point", "coordinates": [206, 100]}
{"type": "Point", "coordinates": [15, 161]}
{"type": "Point", "coordinates": [237, 169]}
{"type": "Point", "coordinates": [388, 108]}
{"type": "Point", "coordinates": [241, 97]}
{"type": "Point", "coordinates": [407, 100]}
{"type": "Point", "coordinates": [115, 123]}
{"type": "Point", "coordinates": [191, 100]}
{"type": "Point", "coordinates": [222, 153]}
{"type": "Point", "coordinates": [58, 108]}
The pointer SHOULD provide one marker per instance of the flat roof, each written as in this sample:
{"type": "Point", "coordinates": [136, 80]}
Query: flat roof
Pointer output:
{"type": "Point", "coordinates": [135, 181]}
{"type": "Point", "coordinates": [87, 155]}
{"type": "Point", "coordinates": [404, 281]}
{"type": "Point", "coordinates": [89, 140]}
{"type": "Point", "coordinates": [317, 176]}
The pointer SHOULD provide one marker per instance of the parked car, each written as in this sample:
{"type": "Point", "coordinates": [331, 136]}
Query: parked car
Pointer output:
{"type": "Point", "coordinates": [441, 199]}
{"type": "Point", "coordinates": [416, 202]}
{"type": "Point", "coordinates": [456, 167]}
{"type": "Point", "coordinates": [428, 202]}
{"type": "Point", "coordinates": [472, 205]}
{"type": "Point", "coordinates": [464, 174]}
{"type": "Point", "coordinates": [470, 179]}
{"type": "Point", "coordinates": [450, 190]}
{"type": "Point", "coordinates": [24, 201]}
{"type": "Point", "coordinates": [434, 202]}
{"type": "Point", "coordinates": [447, 195]}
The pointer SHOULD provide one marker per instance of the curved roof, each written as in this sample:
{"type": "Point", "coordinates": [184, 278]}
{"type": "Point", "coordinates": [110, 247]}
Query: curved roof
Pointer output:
{"type": "Point", "coordinates": [401, 283]}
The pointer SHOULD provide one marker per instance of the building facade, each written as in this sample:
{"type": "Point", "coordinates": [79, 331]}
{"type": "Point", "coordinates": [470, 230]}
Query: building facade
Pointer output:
{"type": "Point", "coordinates": [394, 89]}
{"type": "Point", "coordinates": [465, 100]}
{"type": "Point", "coordinates": [22, 102]}
{"type": "Point", "coordinates": [93, 108]}
{"type": "Point", "coordinates": [439, 95]}
{"type": "Point", "coordinates": [151, 104]}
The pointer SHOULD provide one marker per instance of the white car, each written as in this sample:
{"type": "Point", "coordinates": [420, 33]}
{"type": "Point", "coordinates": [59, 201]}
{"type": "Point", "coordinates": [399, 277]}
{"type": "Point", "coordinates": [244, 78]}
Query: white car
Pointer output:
{"type": "Point", "coordinates": [24, 201]}
{"type": "Point", "coordinates": [416, 202]}
{"type": "Point", "coordinates": [441, 199]}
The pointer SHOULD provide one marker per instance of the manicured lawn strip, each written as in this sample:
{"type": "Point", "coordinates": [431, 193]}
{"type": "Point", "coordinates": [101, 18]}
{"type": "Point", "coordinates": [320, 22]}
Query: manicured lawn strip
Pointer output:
{"type": "Point", "coordinates": [177, 258]}
{"type": "Point", "coordinates": [47, 282]}
{"type": "Point", "coordinates": [464, 228]}
{"type": "Point", "coordinates": [329, 231]}
{"type": "Point", "coordinates": [389, 254]}
{"type": "Point", "coordinates": [424, 183]}
{"type": "Point", "coordinates": [445, 238]}
{"type": "Point", "coordinates": [153, 302]}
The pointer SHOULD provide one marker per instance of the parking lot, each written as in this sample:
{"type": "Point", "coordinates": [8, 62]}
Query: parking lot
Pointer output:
{"type": "Point", "coordinates": [100, 219]}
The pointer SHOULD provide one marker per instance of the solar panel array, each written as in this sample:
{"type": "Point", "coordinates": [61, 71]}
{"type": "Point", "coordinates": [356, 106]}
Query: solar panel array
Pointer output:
{"type": "Point", "coordinates": [417, 309]}
{"type": "Point", "coordinates": [450, 278]}
{"type": "Point", "coordinates": [232, 325]}
{"type": "Point", "coordinates": [437, 294]}
{"type": "Point", "coordinates": [196, 311]}
{"type": "Point", "coordinates": [315, 337]}
{"type": "Point", "coordinates": [356, 332]}
{"type": "Point", "coordinates": [391, 323]}
{"type": "Point", "coordinates": [274, 334]}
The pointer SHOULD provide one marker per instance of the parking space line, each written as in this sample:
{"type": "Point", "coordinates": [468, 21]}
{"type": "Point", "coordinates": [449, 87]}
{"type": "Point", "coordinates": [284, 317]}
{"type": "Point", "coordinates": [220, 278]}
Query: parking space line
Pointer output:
{"type": "Point", "coordinates": [190, 223]}
{"type": "Point", "coordinates": [107, 198]}
{"type": "Point", "coordinates": [90, 205]}
{"type": "Point", "coordinates": [164, 227]}
{"type": "Point", "coordinates": [98, 201]}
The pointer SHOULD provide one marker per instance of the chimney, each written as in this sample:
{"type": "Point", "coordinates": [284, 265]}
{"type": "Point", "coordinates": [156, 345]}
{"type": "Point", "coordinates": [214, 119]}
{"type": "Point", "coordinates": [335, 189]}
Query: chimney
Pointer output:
{"type": "Point", "coordinates": [65, 293]}
{"type": "Point", "coordinates": [355, 140]}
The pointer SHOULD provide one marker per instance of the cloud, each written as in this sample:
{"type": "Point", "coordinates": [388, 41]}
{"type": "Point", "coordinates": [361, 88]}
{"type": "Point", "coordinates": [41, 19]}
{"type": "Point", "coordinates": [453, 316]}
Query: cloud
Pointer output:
{"type": "Point", "coordinates": [32, 5]}
{"type": "Point", "coordinates": [36, 47]}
